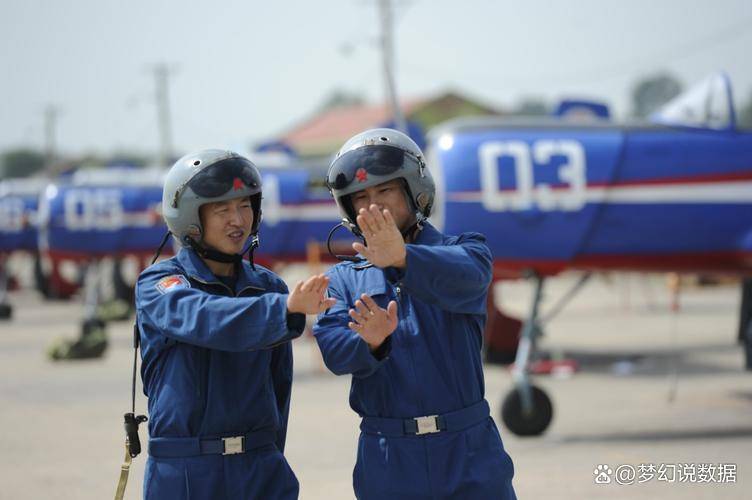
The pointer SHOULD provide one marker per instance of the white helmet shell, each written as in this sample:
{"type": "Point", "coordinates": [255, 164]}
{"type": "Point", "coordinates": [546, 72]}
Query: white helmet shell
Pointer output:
{"type": "Point", "coordinates": [377, 156]}
{"type": "Point", "coordinates": [204, 177]}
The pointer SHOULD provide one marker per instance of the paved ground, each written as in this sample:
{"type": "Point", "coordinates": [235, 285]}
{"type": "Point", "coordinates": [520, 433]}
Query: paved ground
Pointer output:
{"type": "Point", "coordinates": [655, 388]}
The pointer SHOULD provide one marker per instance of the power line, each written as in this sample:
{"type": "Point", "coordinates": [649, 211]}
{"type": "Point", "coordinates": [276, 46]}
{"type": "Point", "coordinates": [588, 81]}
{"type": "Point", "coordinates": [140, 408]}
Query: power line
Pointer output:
{"type": "Point", "coordinates": [615, 70]}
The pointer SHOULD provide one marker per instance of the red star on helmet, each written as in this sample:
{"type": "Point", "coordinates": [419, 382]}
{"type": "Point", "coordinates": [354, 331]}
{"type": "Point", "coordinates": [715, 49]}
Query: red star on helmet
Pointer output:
{"type": "Point", "coordinates": [237, 184]}
{"type": "Point", "coordinates": [361, 175]}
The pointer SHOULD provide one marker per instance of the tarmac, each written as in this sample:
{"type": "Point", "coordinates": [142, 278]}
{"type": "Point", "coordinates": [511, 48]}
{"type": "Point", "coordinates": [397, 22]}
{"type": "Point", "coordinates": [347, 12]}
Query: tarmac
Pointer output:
{"type": "Point", "coordinates": [658, 391]}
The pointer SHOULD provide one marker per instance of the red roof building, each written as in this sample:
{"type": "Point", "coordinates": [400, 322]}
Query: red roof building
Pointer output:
{"type": "Point", "coordinates": [325, 132]}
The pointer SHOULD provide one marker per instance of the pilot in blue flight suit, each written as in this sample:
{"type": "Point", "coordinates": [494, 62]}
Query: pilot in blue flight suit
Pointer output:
{"type": "Point", "coordinates": [408, 326]}
{"type": "Point", "coordinates": [215, 341]}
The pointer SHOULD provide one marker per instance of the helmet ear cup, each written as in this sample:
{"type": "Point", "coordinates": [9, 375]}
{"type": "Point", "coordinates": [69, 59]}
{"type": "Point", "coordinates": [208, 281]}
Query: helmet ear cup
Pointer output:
{"type": "Point", "coordinates": [424, 202]}
{"type": "Point", "coordinates": [194, 231]}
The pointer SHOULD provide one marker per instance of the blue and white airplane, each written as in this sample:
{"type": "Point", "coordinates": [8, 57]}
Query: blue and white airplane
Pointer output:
{"type": "Point", "coordinates": [18, 233]}
{"type": "Point", "coordinates": [672, 194]}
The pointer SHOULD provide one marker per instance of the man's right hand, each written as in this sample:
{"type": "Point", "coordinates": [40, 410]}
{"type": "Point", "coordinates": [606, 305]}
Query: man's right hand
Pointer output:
{"type": "Point", "coordinates": [309, 297]}
{"type": "Point", "coordinates": [373, 323]}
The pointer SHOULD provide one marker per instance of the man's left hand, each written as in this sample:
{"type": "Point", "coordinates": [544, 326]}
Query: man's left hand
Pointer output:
{"type": "Point", "coordinates": [386, 246]}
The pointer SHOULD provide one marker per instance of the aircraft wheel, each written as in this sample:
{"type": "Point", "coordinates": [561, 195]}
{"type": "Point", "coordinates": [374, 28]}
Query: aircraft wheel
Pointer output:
{"type": "Point", "coordinates": [91, 344]}
{"type": "Point", "coordinates": [6, 311]}
{"type": "Point", "coordinates": [527, 424]}
{"type": "Point", "coordinates": [92, 326]}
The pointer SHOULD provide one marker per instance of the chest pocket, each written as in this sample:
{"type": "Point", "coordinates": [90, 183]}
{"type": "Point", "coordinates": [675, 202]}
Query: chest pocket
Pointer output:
{"type": "Point", "coordinates": [251, 291]}
{"type": "Point", "coordinates": [375, 286]}
{"type": "Point", "coordinates": [382, 292]}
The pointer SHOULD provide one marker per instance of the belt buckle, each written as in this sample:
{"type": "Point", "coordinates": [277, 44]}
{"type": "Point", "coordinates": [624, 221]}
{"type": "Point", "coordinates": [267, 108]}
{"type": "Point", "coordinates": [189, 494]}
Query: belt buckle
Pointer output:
{"type": "Point", "coordinates": [233, 445]}
{"type": "Point", "coordinates": [427, 425]}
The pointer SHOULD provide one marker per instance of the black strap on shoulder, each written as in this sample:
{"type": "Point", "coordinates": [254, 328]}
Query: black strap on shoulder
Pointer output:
{"type": "Point", "coordinates": [131, 420]}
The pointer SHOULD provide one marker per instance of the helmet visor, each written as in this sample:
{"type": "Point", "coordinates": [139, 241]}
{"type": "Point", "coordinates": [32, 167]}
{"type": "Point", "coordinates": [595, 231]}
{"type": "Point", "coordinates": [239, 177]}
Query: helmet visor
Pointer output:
{"type": "Point", "coordinates": [223, 176]}
{"type": "Point", "coordinates": [357, 165]}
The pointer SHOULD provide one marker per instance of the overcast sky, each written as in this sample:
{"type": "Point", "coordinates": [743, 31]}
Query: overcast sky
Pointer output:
{"type": "Point", "coordinates": [247, 70]}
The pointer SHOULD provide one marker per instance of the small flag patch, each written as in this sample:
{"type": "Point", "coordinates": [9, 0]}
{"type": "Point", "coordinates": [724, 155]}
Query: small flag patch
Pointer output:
{"type": "Point", "coordinates": [172, 283]}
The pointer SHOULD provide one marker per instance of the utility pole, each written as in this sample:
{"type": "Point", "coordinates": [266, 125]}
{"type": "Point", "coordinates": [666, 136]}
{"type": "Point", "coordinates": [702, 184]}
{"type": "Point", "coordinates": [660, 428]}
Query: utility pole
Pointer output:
{"type": "Point", "coordinates": [51, 114]}
{"type": "Point", "coordinates": [387, 55]}
{"type": "Point", "coordinates": [161, 76]}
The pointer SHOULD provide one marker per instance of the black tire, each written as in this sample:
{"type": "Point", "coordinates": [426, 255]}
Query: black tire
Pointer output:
{"type": "Point", "coordinates": [6, 311]}
{"type": "Point", "coordinates": [531, 424]}
{"type": "Point", "coordinates": [91, 344]}
{"type": "Point", "coordinates": [91, 325]}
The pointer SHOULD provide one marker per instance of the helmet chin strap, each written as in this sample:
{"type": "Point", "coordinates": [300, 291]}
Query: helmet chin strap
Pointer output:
{"type": "Point", "coordinates": [212, 254]}
{"type": "Point", "coordinates": [226, 258]}
{"type": "Point", "coordinates": [409, 233]}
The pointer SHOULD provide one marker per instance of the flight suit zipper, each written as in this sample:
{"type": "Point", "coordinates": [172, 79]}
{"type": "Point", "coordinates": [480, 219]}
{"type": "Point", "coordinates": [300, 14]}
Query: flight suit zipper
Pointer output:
{"type": "Point", "coordinates": [408, 346]}
{"type": "Point", "coordinates": [205, 366]}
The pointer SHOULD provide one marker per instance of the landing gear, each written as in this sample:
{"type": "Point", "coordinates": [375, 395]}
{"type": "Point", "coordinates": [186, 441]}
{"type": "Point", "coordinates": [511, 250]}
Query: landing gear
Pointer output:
{"type": "Point", "coordinates": [92, 343]}
{"type": "Point", "coordinates": [120, 307]}
{"type": "Point", "coordinates": [527, 410]}
{"type": "Point", "coordinates": [6, 310]}
{"type": "Point", "coordinates": [49, 281]}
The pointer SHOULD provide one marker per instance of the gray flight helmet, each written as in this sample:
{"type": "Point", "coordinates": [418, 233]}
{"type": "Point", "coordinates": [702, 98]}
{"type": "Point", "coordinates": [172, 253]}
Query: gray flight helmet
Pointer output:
{"type": "Point", "coordinates": [376, 156]}
{"type": "Point", "coordinates": [202, 177]}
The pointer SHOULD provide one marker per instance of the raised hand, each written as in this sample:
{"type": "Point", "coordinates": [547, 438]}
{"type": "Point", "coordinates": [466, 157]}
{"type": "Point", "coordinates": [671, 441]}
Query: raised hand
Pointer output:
{"type": "Point", "coordinates": [309, 297]}
{"type": "Point", "coordinates": [385, 244]}
{"type": "Point", "coordinates": [373, 323]}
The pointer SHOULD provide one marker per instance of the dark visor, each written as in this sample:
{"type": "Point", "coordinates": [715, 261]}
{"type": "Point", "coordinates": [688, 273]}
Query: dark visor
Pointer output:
{"type": "Point", "coordinates": [357, 165]}
{"type": "Point", "coordinates": [216, 180]}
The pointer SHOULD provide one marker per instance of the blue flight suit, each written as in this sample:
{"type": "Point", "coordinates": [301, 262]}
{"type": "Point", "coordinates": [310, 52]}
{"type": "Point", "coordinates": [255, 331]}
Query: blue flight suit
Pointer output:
{"type": "Point", "coordinates": [216, 363]}
{"type": "Point", "coordinates": [430, 365]}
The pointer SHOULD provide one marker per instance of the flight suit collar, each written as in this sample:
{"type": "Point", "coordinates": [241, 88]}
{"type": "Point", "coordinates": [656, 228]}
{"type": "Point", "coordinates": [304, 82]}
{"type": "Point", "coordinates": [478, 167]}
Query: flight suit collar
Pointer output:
{"type": "Point", "coordinates": [196, 268]}
{"type": "Point", "coordinates": [429, 235]}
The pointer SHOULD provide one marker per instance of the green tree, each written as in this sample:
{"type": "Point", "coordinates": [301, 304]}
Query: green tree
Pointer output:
{"type": "Point", "coordinates": [531, 106]}
{"type": "Point", "coordinates": [652, 92]}
{"type": "Point", "coordinates": [127, 158]}
{"type": "Point", "coordinates": [21, 162]}
{"type": "Point", "coordinates": [745, 114]}
{"type": "Point", "coordinates": [341, 98]}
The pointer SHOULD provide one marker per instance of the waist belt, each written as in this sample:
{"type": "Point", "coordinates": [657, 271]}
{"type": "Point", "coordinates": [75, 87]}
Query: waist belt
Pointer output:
{"type": "Point", "coordinates": [452, 421]}
{"type": "Point", "coordinates": [164, 447]}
